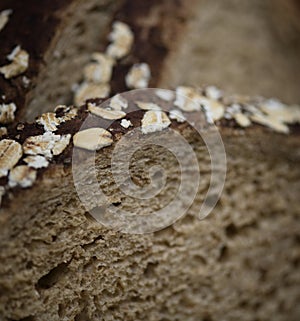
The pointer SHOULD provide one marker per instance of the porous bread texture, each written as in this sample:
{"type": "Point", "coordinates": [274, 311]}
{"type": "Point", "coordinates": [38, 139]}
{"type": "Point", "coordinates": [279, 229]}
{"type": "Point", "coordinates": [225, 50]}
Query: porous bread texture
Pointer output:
{"type": "Point", "coordinates": [238, 264]}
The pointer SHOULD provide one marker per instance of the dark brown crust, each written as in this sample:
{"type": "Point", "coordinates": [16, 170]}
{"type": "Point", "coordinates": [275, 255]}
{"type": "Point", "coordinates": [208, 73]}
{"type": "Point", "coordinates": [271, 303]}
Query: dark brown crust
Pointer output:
{"type": "Point", "coordinates": [32, 25]}
{"type": "Point", "coordinates": [154, 38]}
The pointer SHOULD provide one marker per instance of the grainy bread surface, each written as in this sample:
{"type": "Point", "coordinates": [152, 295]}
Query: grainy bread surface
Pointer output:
{"type": "Point", "coordinates": [240, 263]}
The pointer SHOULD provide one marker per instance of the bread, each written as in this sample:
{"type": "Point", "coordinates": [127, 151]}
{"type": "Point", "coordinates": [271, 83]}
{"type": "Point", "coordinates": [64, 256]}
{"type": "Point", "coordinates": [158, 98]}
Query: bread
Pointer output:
{"type": "Point", "coordinates": [61, 262]}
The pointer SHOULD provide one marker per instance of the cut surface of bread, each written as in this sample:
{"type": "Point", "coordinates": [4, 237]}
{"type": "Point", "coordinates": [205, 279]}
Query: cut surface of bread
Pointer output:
{"type": "Point", "coordinates": [61, 262]}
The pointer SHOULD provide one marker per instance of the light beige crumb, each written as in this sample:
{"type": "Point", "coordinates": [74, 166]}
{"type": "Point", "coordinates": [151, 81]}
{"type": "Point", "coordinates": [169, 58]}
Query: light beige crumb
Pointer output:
{"type": "Point", "coordinates": [99, 71]}
{"type": "Point", "coordinates": [147, 106]}
{"type": "Point", "coordinates": [4, 17]}
{"type": "Point", "coordinates": [165, 94]}
{"type": "Point", "coordinates": [19, 63]}
{"type": "Point", "coordinates": [121, 39]}
{"type": "Point", "coordinates": [118, 102]}
{"type": "Point", "coordinates": [10, 154]}
{"type": "Point", "coordinates": [105, 113]}
{"type": "Point", "coordinates": [138, 76]}
{"type": "Point", "coordinates": [22, 176]}
{"type": "Point", "coordinates": [154, 121]}
{"type": "Point", "coordinates": [7, 113]}
{"type": "Point", "coordinates": [47, 144]}
{"type": "Point", "coordinates": [3, 131]}
{"type": "Point", "coordinates": [49, 121]}
{"type": "Point", "coordinates": [90, 90]}
{"type": "Point", "coordinates": [92, 139]}
{"type": "Point", "coordinates": [242, 119]}
{"type": "Point", "coordinates": [126, 123]}
{"type": "Point", "coordinates": [36, 161]}
{"type": "Point", "coordinates": [177, 115]}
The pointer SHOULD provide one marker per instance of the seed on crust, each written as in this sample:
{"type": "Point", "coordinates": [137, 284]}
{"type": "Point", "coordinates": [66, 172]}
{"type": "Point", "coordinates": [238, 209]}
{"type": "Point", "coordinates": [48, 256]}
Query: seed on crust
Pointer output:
{"type": "Point", "coordinates": [126, 123]}
{"type": "Point", "coordinates": [10, 154]}
{"type": "Point", "coordinates": [7, 113]}
{"type": "Point", "coordinates": [92, 139]}
{"type": "Point", "coordinates": [118, 103]}
{"type": "Point", "coordinates": [90, 90]}
{"type": "Point", "coordinates": [274, 124]}
{"type": "Point", "coordinates": [121, 39]}
{"type": "Point", "coordinates": [187, 99]}
{"type": "Point", "coordinates": [165, 94]}
{"type": "Point", "coordinates": [213, 92]}
{"type": "Point", "coordinates": [70, 112]}
{"type": "Point", "coordinates": [61, 144]}
{"type": "Point", "coordinates": [99, 71]}
{"type": "Point", "coordinates": [3, 131]}
{"type": "Point", "coordinates": [36, 161]}
{"type": "Point", "coordinates": [49, 121]}
{"type": "Point", "coordinates": [47, 144]}
{"type": "Point", "coordinates": [147, 106]}
{"type": "Point", "coordinates": [214, 110]}
{"type": "Point", "coordinates": [4, 17]}
{"type": "Point", "coordinates": [22, 176]}
{"type": "Point", "coordinates": [106, 113]}
{"type": "Point", "coordinates": [242, 119]}
{"type": "Point", "coordinates": [177, 115]}
{"type": "Point", "coordinates": [154, 121]}
{"type": "Point", "coordinates": [138, 76]}
{"type": "Point", "coordinates": [19, 63]}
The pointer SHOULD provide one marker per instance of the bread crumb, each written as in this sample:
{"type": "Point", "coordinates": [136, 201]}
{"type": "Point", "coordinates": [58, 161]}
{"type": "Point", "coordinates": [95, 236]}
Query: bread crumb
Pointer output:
{"type": "Point", "coordinates": [138, 76]}
{"type": "Point", "coordinates": [154, 121]}
{"type": "Point", "coordinates": [19, 64]}
{"type": "Point", "coordinates": [10, 154]}
{"type": "Point", "coordinates": [92, 139]}
{"type": "Point", "coordinates": [7, 113]}
{"type": "Point", "coordinates": [22, 176]}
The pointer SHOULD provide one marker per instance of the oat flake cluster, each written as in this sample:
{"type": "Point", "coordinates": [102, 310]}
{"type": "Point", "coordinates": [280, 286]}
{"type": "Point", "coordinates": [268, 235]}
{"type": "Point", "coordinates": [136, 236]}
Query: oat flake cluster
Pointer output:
{"type": "Point", "coordinates": [20, 163]}
{"type": "Point", "coordinates": [98, 73]}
